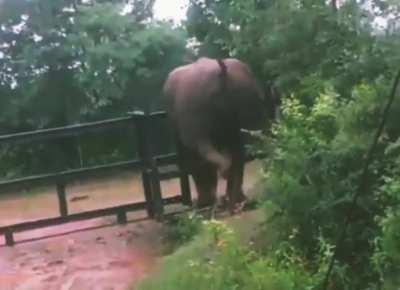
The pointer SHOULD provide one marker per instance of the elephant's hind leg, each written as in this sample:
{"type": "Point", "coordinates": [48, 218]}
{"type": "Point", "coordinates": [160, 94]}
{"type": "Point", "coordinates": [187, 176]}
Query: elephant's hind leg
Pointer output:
{"type": "Point", "coordinates": [205, 177]}
{"type": "Point", "coordinates": [234, 186]}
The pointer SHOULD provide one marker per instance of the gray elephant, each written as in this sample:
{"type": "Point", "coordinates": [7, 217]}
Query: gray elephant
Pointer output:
{"type": "Point", "coordinates": [209, 102]}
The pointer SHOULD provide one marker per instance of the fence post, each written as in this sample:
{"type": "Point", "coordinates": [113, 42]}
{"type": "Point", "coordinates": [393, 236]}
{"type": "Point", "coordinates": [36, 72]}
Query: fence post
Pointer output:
{"type": "Point", "coordinates": [8, 235]}
{"type": "Point", "coordinates": [150, 176]}
{"type": "Point", "coordinates": [121, 217]}
{"type": "Point", "coordinates": [62, 200]}
{"type": "Point", "coordinates": [158, 205]}
{"type": "Point", "coordinates": [183, 175]}
{"type": "Point", "coordinates": [146, 181]}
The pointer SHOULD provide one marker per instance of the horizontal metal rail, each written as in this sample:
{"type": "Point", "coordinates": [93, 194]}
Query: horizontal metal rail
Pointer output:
{"type": "Point", "coordinates": [64, 175]}
{"type": "Point", "coordinates": [30, 225]}
{"type": "Point", "coordinates": [120, 211]}
{"type": "Point", "coordinates": [82, 172]}
{"type": "Point", "coordinates": [77, 129]}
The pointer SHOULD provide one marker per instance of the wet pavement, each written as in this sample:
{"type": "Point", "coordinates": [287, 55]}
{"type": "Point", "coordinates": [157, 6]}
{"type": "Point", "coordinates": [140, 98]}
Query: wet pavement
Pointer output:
{"type": "Point", "coordinates": [106, 258]}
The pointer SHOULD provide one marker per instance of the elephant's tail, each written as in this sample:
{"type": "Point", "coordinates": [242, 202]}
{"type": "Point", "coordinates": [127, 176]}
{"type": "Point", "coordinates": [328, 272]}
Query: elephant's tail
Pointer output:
{"type": "Point", "coordinates": [224, 73]}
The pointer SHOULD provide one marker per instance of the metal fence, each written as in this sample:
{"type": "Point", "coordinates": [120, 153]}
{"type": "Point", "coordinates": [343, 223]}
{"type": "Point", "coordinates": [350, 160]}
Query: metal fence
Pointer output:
{"type": "Point", "coordinates": [147, 163]}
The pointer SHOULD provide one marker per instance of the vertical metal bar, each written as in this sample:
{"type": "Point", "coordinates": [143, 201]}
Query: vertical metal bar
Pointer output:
{"type": "Point", "coordinates": [8, 235]}
{"type": "Point", "coordinates": [146, 181]}
{"type": "Point", "coordinates": [158, 205]}
{"type": "Point", "coordinates": [62, 200]}
{"type": "Point", "coordinates": [185, 188]}
{"type": "Point", "coordinates": [142, 144]}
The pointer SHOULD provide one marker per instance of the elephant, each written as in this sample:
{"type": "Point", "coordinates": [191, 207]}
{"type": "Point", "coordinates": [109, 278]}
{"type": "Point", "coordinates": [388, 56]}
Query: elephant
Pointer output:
{"type": "Point", "coordinates": [208, 102]}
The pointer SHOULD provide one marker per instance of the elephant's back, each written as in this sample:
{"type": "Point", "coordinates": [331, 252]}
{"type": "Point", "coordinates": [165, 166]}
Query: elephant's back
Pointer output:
{"type": "Point", "coordinates": [190, 91]}
{"type": "Point", "coordinates": [191, 87]}
{"type": "Point", "coordinates": [198, 78]}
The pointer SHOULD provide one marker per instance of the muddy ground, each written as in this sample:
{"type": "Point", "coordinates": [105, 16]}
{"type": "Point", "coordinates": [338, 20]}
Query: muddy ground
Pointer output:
{"type": "Point", "coordinates": [89, 255]}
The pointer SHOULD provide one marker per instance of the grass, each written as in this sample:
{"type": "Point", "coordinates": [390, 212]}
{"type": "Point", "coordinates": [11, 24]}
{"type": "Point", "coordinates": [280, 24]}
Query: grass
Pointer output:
{"type": "Point", "coordinates": [223, 257]}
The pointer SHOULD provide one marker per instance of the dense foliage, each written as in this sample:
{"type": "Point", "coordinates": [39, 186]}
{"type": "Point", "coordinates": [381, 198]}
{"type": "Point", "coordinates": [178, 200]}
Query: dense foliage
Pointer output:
{"type": "Point", "coordinates": [315, 168]}
{"type": "Point", "coordinates": [66, 62]}
{"type": "Point", "coordinates": [288, 41]}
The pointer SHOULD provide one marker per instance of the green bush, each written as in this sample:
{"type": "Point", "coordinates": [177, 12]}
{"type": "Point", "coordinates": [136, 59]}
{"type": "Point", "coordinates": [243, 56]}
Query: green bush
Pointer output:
{"type": "Point", "coordinates": [314, 168]}
{"type": "Point", "coordinates": [386, 258]}
{"type": "Point", "coordinates": [215, 260]}
{"type": "Point", "coordinates": [182, 229]}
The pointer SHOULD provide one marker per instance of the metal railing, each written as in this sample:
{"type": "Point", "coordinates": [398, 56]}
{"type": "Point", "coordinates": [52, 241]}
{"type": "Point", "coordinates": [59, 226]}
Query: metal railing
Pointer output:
{"type": "Point", "coordinates": [146, 163]}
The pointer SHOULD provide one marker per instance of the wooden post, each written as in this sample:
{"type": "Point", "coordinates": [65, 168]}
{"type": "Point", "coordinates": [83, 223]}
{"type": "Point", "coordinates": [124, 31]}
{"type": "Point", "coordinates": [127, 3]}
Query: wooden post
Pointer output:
{"type": "Point", "coordinates": [62, 200]}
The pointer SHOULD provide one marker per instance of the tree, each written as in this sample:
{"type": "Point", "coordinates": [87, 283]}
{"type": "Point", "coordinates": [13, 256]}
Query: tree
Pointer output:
{"type": "Point", "coordinates": [66, 62]}
{"type": "Point", "coordinates": [287, 41]}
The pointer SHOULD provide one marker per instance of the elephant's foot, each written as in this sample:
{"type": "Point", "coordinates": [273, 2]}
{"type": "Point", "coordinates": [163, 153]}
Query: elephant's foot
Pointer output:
{"type": "Point", "coordinates": [238, 207]}
{"type": "Point", "coordinates": [235, 206]}
{"type": "Point", "coordinates": [238, 204]}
